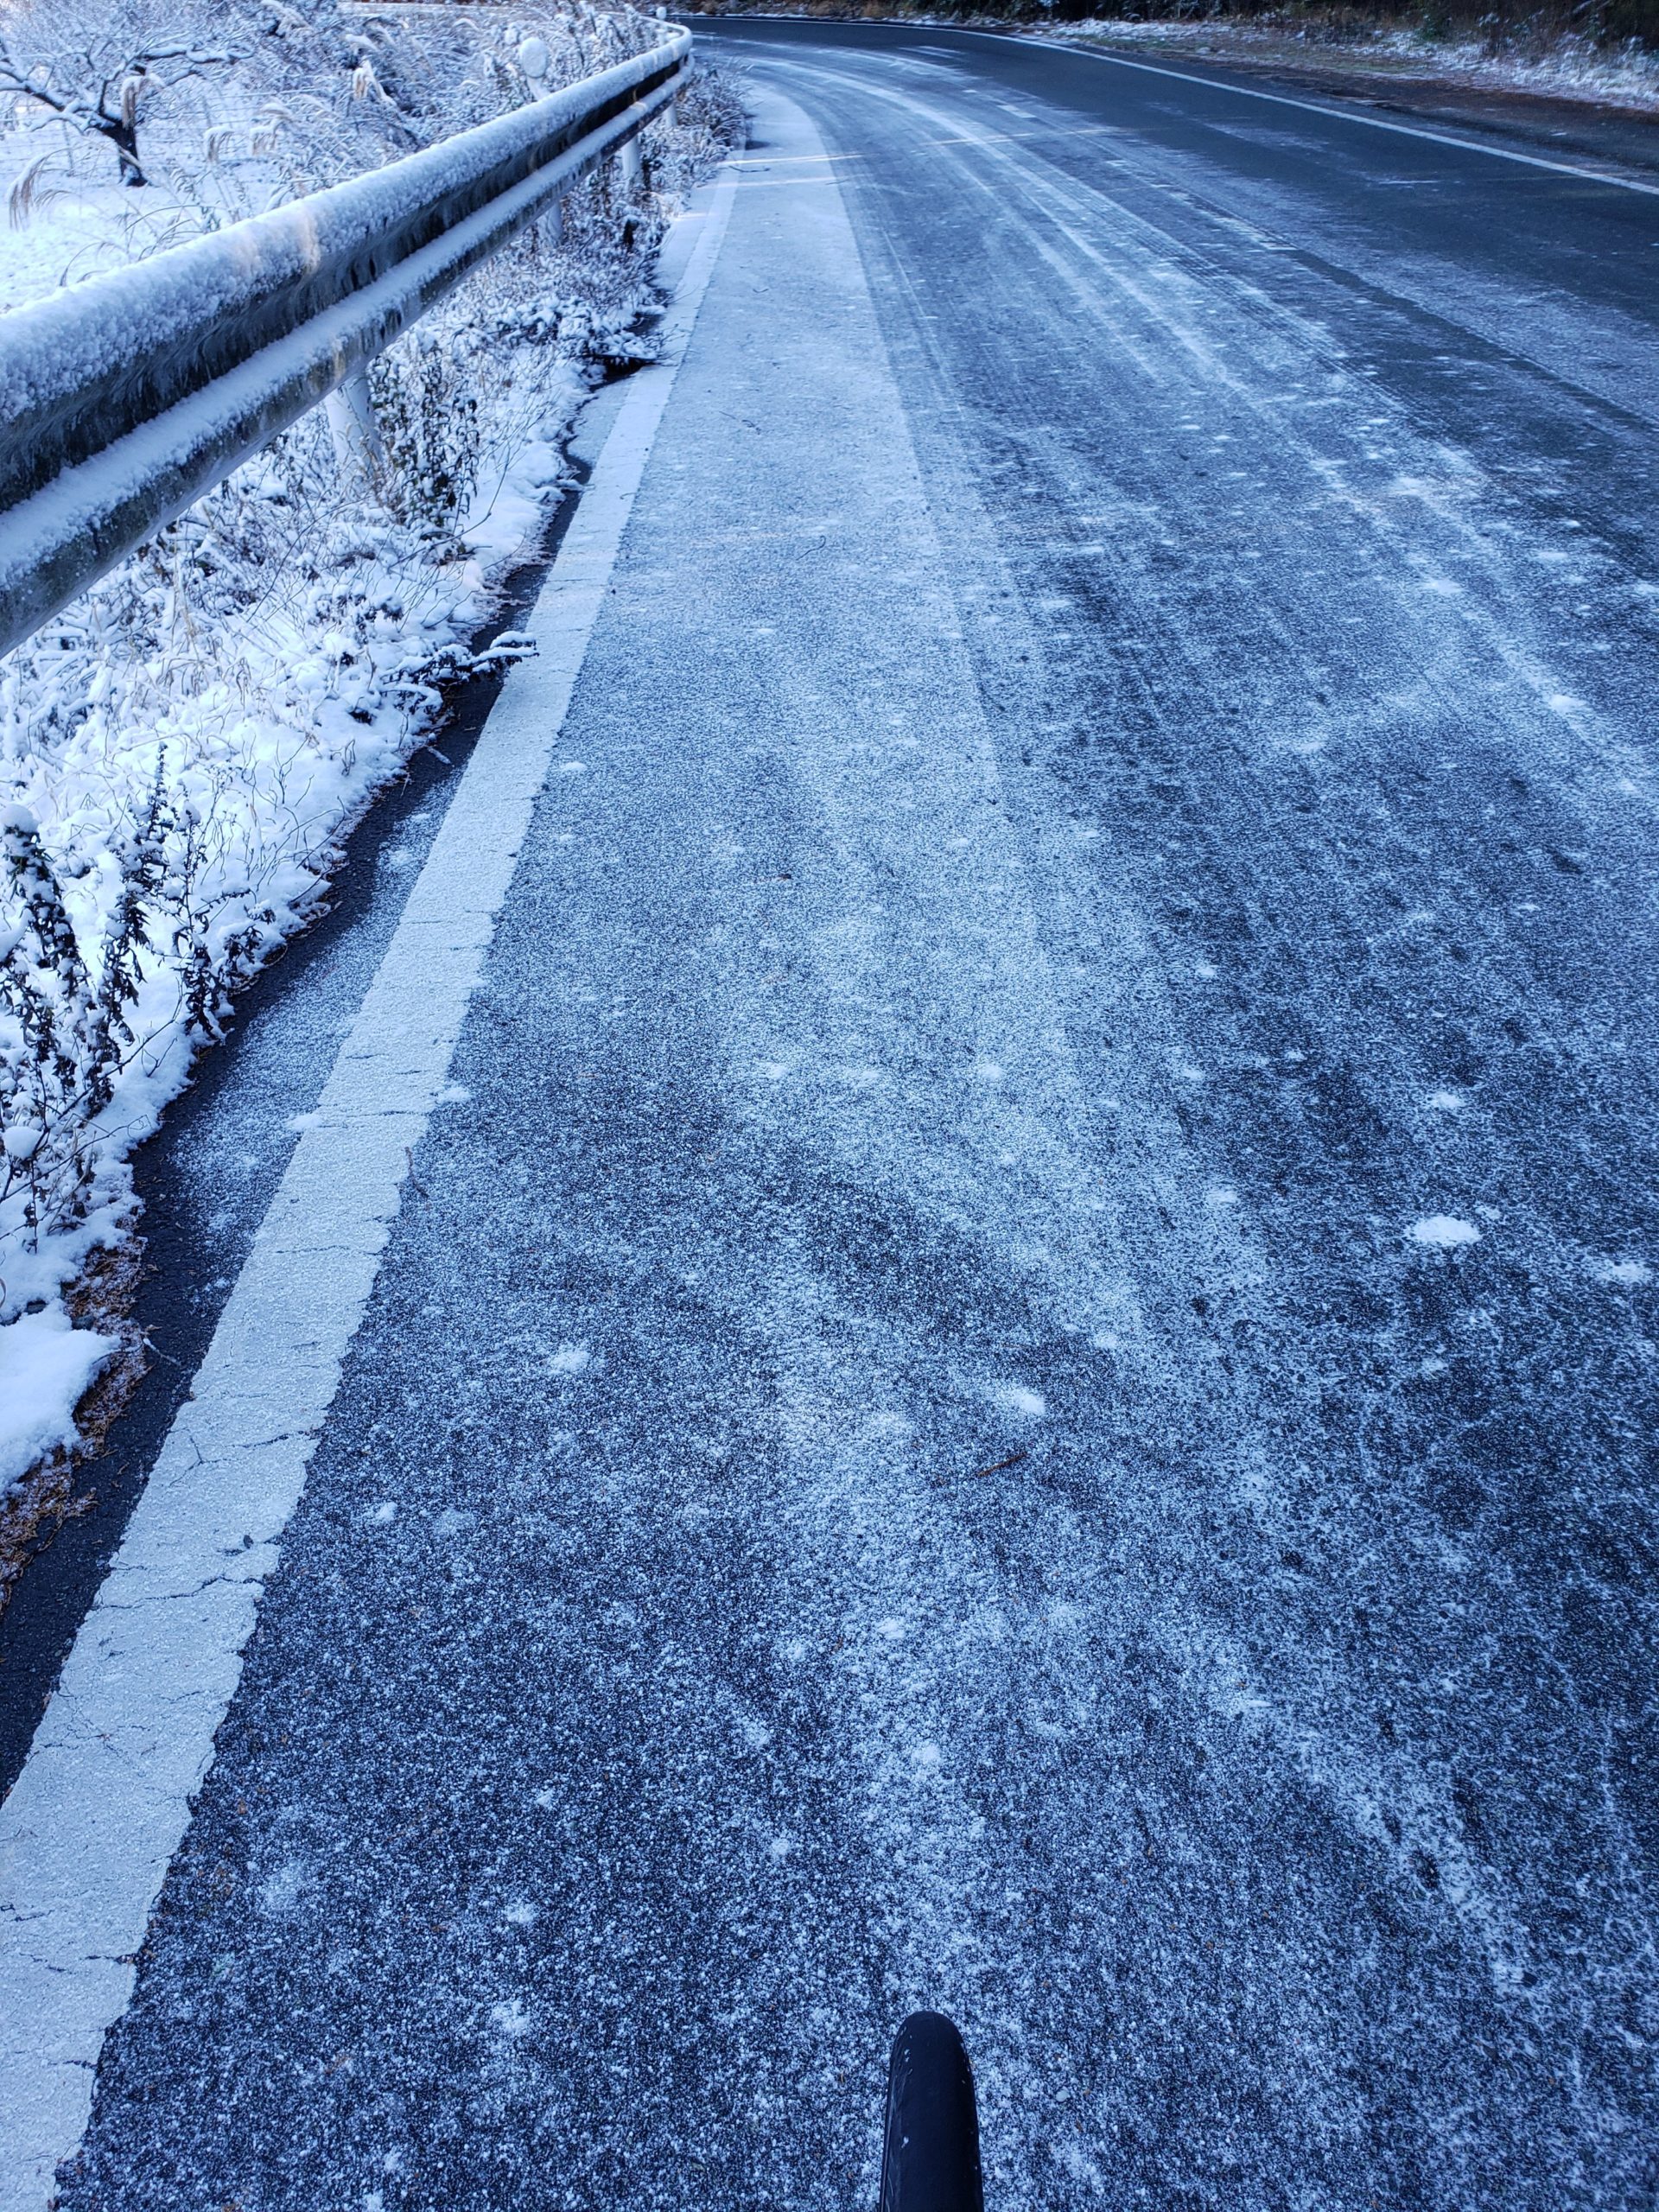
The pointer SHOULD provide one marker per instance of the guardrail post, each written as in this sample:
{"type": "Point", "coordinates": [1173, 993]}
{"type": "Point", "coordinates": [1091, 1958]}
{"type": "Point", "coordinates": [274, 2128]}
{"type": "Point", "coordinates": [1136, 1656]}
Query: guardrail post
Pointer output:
{"type": "Point", "coordinates": [356, 434]}
{"type": "Point", "coordinates": [632, 165]}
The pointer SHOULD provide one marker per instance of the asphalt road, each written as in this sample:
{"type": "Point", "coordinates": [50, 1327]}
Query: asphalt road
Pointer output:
{"type": "Point", "coordinates": [1016, 1375]}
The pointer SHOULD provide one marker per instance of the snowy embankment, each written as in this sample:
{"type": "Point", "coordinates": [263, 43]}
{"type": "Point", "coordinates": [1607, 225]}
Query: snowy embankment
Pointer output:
{"type": "Point", "coordinates": [181, 751]}
{"type": "Point", "coordinates": [1567, 69]}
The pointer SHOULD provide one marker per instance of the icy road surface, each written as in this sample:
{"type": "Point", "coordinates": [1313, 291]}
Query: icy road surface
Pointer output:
{"type": "Point", "coordinates": [1015, 1375]}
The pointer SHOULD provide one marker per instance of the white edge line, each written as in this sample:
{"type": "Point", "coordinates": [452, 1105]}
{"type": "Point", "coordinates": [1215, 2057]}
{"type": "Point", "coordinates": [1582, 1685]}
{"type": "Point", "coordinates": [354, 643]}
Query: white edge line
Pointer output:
{"type": "Point", "coordinates": [1338, 114]}
{"type": "Point", "coordinates": [93, 1821]}
{"type": "Point", "coordinates": [1255, 92]}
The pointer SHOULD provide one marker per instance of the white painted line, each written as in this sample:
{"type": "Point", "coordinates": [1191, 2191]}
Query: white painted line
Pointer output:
{"type": "Point", "coordinates": [91, 1823]}
{"type": "Point", "coordinates": [1333, 114]}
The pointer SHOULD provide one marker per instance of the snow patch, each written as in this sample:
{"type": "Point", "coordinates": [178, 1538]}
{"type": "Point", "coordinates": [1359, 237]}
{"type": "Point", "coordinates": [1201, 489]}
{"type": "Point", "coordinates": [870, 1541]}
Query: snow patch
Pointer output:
{"type": "Point", "coordinates": [1633, 1272]}
{"type": "Point", "coordinates": [280, 1891]}
{"type": "Point", "coordinates": [1443, 1231]}
{"type": "Point", "coordinates": [46, 1366]}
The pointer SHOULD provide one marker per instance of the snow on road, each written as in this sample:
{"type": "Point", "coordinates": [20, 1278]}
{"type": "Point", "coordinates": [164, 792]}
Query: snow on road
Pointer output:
{"type": "Point", "coordinates": [1015, 1371]}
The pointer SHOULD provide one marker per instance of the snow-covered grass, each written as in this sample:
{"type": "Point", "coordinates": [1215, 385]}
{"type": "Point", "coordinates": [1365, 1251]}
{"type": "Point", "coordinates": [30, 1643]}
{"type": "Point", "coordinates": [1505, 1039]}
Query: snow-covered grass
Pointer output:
{"type": "Point", "coordinates": [1567, 67]}
{"type": "Point", "coordinates": [181, 751]}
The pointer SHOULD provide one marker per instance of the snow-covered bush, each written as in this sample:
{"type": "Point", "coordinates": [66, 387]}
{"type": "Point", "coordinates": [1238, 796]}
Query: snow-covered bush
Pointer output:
{"type": "Point", "coordinates": [181, 750]}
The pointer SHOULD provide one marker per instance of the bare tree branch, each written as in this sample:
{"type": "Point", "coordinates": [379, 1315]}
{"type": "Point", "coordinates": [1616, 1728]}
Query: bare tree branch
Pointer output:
{"type": "Point", "coordinates": [64, 87]}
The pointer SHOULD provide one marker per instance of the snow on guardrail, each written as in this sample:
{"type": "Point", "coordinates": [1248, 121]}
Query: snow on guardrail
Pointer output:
{"type": "Point", "coordinates": [125, 398]}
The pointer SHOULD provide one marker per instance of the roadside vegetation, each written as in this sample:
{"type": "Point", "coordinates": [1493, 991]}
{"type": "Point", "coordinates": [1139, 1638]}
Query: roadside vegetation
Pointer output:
{"type": "Point", "coordinates": [1415, 52]}
{"type": "Point", "coordinates": [182, 750]}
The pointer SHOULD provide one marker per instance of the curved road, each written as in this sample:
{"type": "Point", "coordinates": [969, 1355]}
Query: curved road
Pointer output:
{"type": "Point", "coordinates": [1015, 1371]}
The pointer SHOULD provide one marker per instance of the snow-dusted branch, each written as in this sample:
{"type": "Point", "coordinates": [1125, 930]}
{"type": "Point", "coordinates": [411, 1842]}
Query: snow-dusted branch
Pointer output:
{"type": "Point", "coordinates": [98, 91]}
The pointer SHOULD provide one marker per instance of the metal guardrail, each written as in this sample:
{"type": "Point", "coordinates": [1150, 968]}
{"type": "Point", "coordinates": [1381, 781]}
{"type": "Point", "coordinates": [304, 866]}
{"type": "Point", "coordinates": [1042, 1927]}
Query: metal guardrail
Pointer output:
{"type": "Point", "coordinates": [125, 398]}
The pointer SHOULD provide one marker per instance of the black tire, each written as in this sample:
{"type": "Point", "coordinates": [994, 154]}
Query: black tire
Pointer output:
{"type": "Point", "coordinates": [929, 2158]}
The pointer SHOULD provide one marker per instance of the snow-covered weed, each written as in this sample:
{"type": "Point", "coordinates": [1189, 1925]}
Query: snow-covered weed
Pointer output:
{"type": "Point", "coordinates": [426, 405]}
